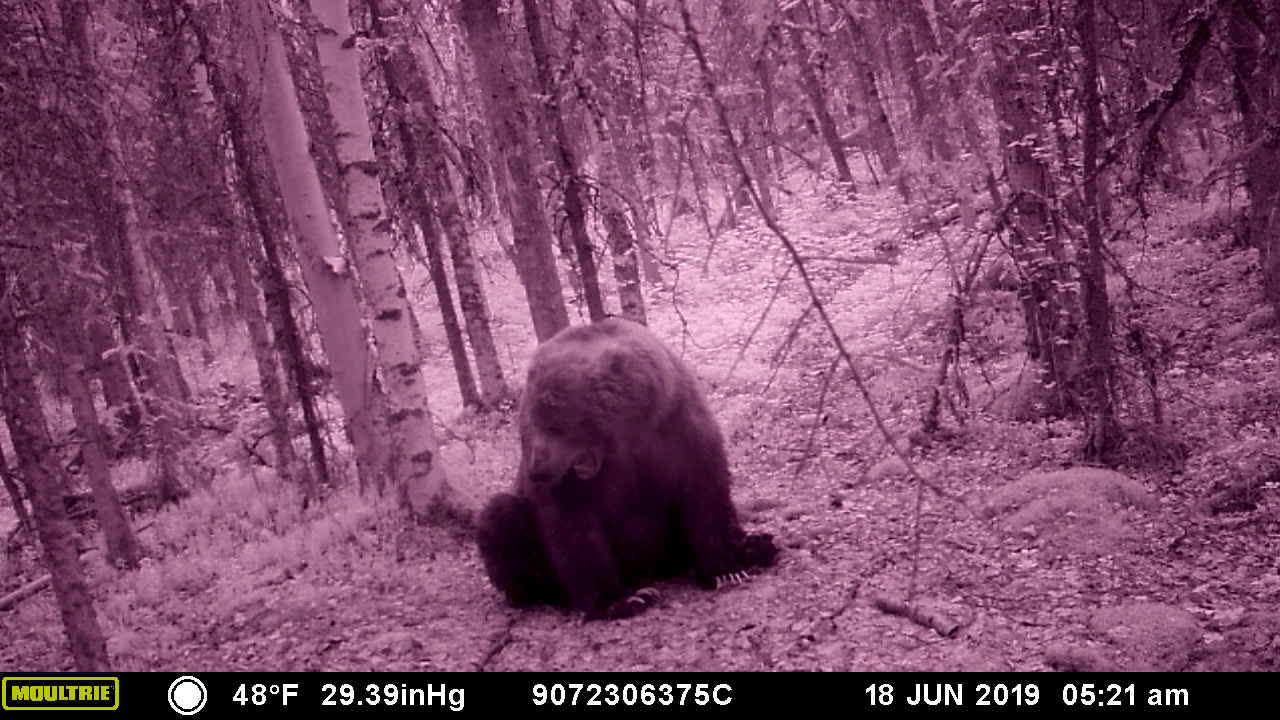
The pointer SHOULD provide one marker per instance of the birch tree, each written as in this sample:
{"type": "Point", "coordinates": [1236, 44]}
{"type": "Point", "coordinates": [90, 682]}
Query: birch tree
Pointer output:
{"type": "Point", "coordinates": [320, 255]}
{"type": "Point", "coordinates": [414, 460]}
{"type": "Point", "coordinates": [426, 154]}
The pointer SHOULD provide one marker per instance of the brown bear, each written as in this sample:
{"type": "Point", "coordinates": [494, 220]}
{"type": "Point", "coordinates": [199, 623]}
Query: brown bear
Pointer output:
{"type": "Point", "coordinates": [623, 480]}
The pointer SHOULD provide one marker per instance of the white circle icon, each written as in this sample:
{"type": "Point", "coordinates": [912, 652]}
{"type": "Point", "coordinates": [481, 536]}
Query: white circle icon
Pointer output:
{"type": "Point", "coordinates": [187, 695]}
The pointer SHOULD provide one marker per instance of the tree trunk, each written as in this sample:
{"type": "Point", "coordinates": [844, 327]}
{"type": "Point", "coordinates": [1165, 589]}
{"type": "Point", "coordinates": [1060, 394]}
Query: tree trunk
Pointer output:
{"type": "Point", "coordinates": [173, 365]}
{"type": "Point", "coordinates": [729, 220]}
{"type": "Point", "coordinates": [222, 296]}
{"type": "Point", "coordinates": [15, 495]}
{"type": "Point", "coordinates": [264, 356]}
{"type": "Point", "coordinates": [415, 466]}
{"type": "Point", "coordinates": [448, 315]}
{"type": "Point", "coordinates": [924, 114]}
{"type": "Point", "coordinates": [475, 311]}
{"type": "Point", "coordinates": [320, 255]}
{"type": "Point", "coordinates": [622, 244]}
{"type": "Point", "coordinates": [504, 218]}
{"type": "Point", "coordinates": [566, 157]}
{"type": "Point", "coordinates": [239, 254]}
{"type": "Point", "coordinates": [626, 266]}
{"type": "Point", "coordinates": [167, 378]}
{"type": "Point", "coordinates": [194, 296]}
{"type": "Point", "coordinates": [504, 105]}
{"type": "Point", "coordinates": [879, 130]}
{"type": "Point", "coordinates": [960, 103]}
{"type": "Point", "coordinates": [620, 140]}
{"type": "Point", "coordinates": [179, 313]}
{"type": "Point", "coordinates": [1252, 27]}
{"type": "Point", "coordinates": [121, 545]}
{"type": "Point", "coordinates": [38, 466]}
{"type": "Point", "coordinates": [275, 289]}
{"type": "Point", "coordinates": [1266, 192]}
{"type": "Point", "coordinates": [695, 154]}
{"type": "Point", "coordinates": [764, 73]}
{"type": "Point", "coordinates": [289, 346]}
{"type": "Point", "coordinates": [1098, 373]}
{"type": "Point", "coordinates": [408, 85]}
{"type": "Point", "coordinates": [812, 86]}
{"type": "Point", "coordinates": [938, 120]}
{"type": "Point", "coordinates": [112, 371]}
{"type": "Point", "coordinates": [620, 104]}
{"type": "Point", "coordinates": [633, 105]}
{"type": "Point", "coordinates": [1049, 306]}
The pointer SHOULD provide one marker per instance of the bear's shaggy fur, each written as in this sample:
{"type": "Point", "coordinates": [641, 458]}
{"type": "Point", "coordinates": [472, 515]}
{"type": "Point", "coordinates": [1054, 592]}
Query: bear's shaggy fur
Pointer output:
{"type": "Point", "coordinates": [623, 479]}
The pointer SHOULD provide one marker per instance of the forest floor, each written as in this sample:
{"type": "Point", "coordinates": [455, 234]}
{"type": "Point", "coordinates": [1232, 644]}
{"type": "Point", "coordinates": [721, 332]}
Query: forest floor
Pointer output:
{"type": "Point", "coordinates": [240, 578]}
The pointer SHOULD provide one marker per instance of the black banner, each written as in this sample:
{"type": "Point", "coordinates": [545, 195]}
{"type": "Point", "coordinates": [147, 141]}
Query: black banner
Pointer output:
{"type": "Point", "coordinates": [217, 694]}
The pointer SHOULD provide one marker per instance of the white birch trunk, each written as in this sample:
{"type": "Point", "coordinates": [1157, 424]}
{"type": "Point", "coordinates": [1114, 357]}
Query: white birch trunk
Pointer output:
{"type": "Point", "coordinates": [414, 461]}
{"type": "Point", "coordinates": [324, 268]}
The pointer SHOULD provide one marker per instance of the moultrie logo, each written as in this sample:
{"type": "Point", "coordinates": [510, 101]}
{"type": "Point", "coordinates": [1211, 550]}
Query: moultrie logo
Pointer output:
{"type": "Point", "coordinates": [63, 692]}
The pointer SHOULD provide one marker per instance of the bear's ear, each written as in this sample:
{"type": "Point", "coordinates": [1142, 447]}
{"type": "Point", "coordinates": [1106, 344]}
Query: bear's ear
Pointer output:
{"type": "Point", "coordinates": [587, 464]}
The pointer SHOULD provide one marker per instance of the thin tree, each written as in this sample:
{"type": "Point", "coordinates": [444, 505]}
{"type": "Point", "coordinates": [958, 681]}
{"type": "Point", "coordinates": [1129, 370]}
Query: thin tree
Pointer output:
{"type": "Point", "coordinates": [765, 71]}
{"type": "Point", "coordinates": [265, 358]}
{"type": "Point", "coordinates": [896, 19]}
{"type": "Point", "coordinates": [618, 109]}
{"type": "Point", "coordinates": [251, 181]}
{"type": "Point", "coordinates": [626, 261]}
{"type": "Point", "coordinates": [112, 371]}
{"type": "Point", "coordinates": [1103, 431]}
{"type": "Point", "coordinates": [124, 224]}
{"type": "Point", "coordinates": [623, 247]}
{"type": "Point", "coordinates": [566, 157]}
{"type": "Point", "coordinates": [1252, 26]}
{"type": "Point", "coordinates": [444, 298]}
{"type": "Point", "coordinates": [37, 463]}
{"type": "Point", "coordinates": [65, 325]}
{"type": "Point", "coordinates": [879, 130]}
{"type": "Point", "coordinates": [504, 102]}
{"type": "Point", "coordinates": [422, 141]}
{"type": "Point", "coordinates": [813, 90]}
{"type": "Point", "coordinates": [230, 252]}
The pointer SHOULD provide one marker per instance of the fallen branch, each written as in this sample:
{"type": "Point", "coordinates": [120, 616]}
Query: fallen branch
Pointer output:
{"type": "Point", "coordinates": [25, 592]}
{"type": "Point", "coordinates": [936, 621]}
{"type": "Point", "coordinates": [11, 600]}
